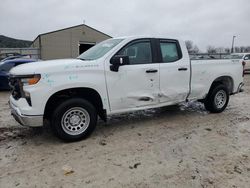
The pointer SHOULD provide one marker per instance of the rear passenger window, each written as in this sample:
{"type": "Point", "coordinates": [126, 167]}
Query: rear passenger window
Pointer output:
{"type": "Point", "coordinates": [169, 51]}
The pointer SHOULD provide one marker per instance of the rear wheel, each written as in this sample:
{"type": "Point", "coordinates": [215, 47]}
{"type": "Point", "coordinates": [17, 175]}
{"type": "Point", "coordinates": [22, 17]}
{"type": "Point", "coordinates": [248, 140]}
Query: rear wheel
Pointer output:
{"type": "Point", "coordinates": [217, 99]}
{"type": "Point", "coordinates": [74, 119]}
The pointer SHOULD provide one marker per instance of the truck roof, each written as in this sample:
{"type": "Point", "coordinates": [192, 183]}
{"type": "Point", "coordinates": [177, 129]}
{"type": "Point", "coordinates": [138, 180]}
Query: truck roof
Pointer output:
{"type": "Point", "coordinates": [144, 36]}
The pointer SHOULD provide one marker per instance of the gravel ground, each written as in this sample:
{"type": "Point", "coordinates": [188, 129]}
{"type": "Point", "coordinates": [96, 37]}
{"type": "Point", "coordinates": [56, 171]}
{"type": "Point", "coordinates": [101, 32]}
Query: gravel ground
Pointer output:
{"type": "Point", "coordinates": [182, 146]}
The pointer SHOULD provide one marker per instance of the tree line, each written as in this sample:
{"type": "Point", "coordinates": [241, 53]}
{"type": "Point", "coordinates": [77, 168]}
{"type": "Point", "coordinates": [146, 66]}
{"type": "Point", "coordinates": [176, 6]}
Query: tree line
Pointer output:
{"type": "Point", "coordinates": [193, 49]}
{"type": "Point", "coordinates": [7, 42]}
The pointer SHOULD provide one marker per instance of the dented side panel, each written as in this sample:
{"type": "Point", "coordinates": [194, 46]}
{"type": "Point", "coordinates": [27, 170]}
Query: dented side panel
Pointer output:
{"type": "Point", "coordinates": [175, 79]}
{"type": "Point", "coordinates": [132, 87]}
{"type": "Point", "coordinates": [205, 72]}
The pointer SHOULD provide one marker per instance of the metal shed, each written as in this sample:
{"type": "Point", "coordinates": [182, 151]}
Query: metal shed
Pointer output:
{"type": "Point", "coordinates": [68, 42]}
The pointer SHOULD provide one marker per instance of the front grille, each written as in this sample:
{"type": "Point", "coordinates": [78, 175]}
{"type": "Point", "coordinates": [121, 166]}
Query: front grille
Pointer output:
{"type": "Point", "coordinates": [15, 85]}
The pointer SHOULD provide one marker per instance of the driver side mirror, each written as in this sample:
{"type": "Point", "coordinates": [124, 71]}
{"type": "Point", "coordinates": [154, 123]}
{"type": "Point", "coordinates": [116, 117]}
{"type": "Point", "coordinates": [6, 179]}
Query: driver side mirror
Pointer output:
{"type": "Point", "coordinates": [117, 61]}
{"type": "Point", "coordinates": [246, 58]}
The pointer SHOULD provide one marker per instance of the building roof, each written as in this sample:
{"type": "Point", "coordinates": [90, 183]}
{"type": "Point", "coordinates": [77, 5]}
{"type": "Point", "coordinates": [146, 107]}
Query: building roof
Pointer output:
{"type": "Point", "coordinates": [70, 28]}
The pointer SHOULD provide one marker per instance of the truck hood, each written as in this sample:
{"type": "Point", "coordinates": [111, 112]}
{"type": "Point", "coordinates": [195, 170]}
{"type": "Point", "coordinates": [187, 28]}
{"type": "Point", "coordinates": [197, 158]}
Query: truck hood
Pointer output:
{"type": "Point", "coordinates": [50, 66]}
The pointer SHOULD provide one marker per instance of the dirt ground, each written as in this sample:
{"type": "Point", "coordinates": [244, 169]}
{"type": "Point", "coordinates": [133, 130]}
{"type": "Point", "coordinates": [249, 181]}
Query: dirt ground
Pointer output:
{"type": "Point", "coordinates": [181, 146]}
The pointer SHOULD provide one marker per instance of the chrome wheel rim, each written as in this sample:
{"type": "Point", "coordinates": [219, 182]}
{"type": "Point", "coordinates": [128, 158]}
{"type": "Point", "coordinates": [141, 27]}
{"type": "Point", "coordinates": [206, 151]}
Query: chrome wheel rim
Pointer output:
{"type": "Point", "coordinates": [220, 99]}
{"type": "Point", "coordinates": [75, 121]}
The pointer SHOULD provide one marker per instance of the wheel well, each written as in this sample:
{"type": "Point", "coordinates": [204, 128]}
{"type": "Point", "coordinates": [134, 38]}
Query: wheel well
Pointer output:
{"type": "Point", "coordinates": [226, 81]}
{"type": "Point", "coordinates": [89, 94]}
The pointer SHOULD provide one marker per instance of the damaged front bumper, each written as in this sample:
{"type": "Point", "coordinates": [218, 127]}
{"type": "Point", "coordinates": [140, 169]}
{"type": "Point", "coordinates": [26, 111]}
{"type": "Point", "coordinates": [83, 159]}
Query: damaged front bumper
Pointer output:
{"type": "Point", "coordinates": [25, 120]}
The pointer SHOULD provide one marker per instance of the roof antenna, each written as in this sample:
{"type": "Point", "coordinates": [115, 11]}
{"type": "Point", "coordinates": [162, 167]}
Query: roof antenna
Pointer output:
{"type": "Point", "coordinates": [83, 32]}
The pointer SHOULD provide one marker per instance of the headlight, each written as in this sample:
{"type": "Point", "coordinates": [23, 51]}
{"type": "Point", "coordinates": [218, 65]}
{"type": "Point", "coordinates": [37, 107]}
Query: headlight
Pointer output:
{"type": "Point", "coordinates": [30, 79]}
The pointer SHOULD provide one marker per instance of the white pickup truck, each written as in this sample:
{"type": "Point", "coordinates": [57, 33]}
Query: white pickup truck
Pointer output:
{"type": "Point", "coordinates": [116, 76]}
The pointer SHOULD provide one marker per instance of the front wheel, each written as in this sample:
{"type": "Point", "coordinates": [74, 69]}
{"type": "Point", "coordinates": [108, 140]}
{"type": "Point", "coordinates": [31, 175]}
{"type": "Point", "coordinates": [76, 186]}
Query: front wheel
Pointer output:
{"type": "Point", "coordinates": [217, 99]}
{"type": "Point", "coordinates": [74, 119]}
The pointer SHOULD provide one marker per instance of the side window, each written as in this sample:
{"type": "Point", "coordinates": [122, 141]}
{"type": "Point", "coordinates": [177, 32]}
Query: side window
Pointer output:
{"type": "Point", "coordinates": [169, 51]}
{"type": "Point", "coordinates": [139, 52]}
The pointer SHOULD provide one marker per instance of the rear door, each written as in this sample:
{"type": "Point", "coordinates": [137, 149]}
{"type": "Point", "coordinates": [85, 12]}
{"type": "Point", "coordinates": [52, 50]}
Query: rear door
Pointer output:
{"type": "Point", "coordinates": [174, 72]}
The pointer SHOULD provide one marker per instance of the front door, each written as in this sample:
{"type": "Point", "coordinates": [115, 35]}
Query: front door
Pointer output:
{"type": "Point", "coordinates": [137, 84]}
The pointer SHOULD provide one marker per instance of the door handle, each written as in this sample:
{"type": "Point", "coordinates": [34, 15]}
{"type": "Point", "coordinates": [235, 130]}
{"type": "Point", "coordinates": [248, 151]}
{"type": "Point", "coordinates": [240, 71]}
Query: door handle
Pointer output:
{"type": "Point", "coordinates": [151, 70]}
{"type": "Point", "coordinates": [182, 69]}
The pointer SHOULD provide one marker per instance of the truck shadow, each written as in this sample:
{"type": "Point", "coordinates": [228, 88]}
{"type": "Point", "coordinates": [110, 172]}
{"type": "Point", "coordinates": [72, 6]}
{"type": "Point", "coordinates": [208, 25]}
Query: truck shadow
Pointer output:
{"type": "Point", "coordinates": [114, 123]}
{"type": "Point", "coordinates": [156, 114]}
{"type": "Point", "coordinates": [175, 110]}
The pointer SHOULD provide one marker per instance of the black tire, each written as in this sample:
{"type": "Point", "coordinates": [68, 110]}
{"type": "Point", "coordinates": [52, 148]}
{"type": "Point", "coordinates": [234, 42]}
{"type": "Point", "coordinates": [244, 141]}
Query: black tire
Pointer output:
{"type": "Point", "coordinates": [210, 102]}
{"type": "Point", "coordinates": [74, 119]}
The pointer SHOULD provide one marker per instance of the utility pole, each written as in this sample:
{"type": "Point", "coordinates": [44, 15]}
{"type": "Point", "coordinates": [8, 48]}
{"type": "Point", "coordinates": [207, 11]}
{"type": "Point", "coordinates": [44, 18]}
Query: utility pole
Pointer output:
{"type": "Point", "coordinates": [232, 49]}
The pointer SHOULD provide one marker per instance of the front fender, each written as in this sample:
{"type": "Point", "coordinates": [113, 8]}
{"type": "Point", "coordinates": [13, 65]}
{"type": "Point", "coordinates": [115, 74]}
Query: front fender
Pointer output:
{"type": "Point", "coordinates": [51, 84]}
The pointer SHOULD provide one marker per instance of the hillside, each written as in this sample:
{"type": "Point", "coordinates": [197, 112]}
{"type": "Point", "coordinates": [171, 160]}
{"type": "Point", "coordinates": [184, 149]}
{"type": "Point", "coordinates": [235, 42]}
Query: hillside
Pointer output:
{"type": "Point", "coordinates": [7, 42]}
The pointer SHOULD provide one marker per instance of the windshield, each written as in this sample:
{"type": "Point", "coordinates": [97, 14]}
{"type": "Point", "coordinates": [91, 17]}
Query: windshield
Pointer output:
{"type": "Point", "coordinates": [5, 67]}
{"type": "Point", "coordinates": [99, 50]}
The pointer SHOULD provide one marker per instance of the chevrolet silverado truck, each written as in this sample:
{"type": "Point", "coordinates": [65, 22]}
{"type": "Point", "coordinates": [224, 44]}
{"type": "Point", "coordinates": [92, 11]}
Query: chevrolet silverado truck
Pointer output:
{"type": "Point", "coordinates": [116, 76]}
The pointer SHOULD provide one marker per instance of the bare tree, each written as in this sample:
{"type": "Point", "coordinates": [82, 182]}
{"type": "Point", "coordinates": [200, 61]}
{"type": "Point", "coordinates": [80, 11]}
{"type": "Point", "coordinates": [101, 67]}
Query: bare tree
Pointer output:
{"type": "Point", "coordinates": [189, 45]}
{"type": "Point", "coordinates": [195, 49]}
{"type": "Point", "coordinates": [242, 49]}
{"type": "Point", "coordinates": [211, 49]}
{"type": "Point", "coordinates": [227, 50]}
{"type": "Point", "coordinates": [236, 49]}
{"type": "Point", "coordinates": [192, 49]}
{"type": "Point", "coordinates": [220, 50]}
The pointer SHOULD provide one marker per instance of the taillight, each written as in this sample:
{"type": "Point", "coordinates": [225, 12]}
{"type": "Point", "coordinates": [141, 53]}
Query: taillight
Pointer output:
{"type": "Point", "coordinates": [243, 65]}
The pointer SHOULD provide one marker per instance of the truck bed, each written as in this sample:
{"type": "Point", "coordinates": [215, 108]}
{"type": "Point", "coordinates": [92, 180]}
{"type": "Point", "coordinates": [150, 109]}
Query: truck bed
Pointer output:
{"type": "Point", "coordinates": [204, 71]}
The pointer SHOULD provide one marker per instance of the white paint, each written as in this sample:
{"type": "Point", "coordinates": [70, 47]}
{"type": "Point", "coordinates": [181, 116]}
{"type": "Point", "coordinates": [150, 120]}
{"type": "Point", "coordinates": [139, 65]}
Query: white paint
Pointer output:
{"type": "Point", "coordinates": [125, 90]}
{"type": "Point", "coordinates": [131, 83]}
{"type": "Point", "coordinates": [174, 84]}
